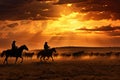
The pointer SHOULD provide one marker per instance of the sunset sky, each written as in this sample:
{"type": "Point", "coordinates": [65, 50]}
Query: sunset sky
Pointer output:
{"type": "Point", "coordinates": [59, 22]}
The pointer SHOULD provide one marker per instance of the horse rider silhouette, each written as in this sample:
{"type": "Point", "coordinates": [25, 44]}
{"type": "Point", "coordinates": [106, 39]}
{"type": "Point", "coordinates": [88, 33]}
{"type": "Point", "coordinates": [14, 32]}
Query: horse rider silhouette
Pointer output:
{"type": "Point", "coordinates": [14, 47]}
{"type": "Point", "coordinates": [46, 47]}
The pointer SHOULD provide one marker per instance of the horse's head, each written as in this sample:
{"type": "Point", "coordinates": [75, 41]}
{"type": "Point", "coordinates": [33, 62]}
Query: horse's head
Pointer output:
{"type": "Point", "coordinates": [24, 47]}
{"type": "Point", "coordinates": [54, 50]}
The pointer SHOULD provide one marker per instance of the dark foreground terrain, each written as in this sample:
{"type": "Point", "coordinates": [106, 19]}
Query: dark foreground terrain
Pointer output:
{"type": "Point", "coordinates": [71, 69]}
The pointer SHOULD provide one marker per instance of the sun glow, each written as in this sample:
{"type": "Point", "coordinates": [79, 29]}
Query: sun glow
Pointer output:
{"type": "Point", "coordinates": [64, 24]}
{"type": "Point", "coordinates": [61, 23]}
{"type": "Point", "coordinates": [65, 31]}
{"type": "Point", "coordinates": [60, 32]}
{"type": "Point", "coordinates": [71, 23]}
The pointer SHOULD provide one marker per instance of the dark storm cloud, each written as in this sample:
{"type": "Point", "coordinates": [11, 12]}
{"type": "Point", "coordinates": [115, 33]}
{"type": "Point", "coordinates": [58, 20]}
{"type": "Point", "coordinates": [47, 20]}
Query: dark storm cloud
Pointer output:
{"type": "Point", "coordinates": [36, 10]}
{"type": "Point", "coordinates": [26, 9]}
{"type": "Point", "coordinates": [12, 9]}
{"type": "Point", "coordinates": [44, 0]}
{"type": "Point", "coordinates": [6, 5]}
{"type": "Point", "coordinates": [102, 28]}
{"type": "Point", "coordinates": [109, 8]}
{"type": "Point", "coordinates": [15, 2]}
{"type": "Point", "coordinates": [96, 9]}
{"type": "Point", "coordinates": [69, 1]}
{"type": "Point", "coordinates": [100, 5]}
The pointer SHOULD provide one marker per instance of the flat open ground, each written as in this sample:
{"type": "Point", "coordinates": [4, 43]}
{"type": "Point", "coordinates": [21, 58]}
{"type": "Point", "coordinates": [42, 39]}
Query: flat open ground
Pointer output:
{"type": "Point", "coordinates": [107, 68]}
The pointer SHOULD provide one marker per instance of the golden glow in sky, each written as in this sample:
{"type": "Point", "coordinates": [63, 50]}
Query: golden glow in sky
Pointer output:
{"type": "Point", "coordinates": [69, 5]}
{"type": "Point", "coordinates": [63, 31]}
{"type": "Point", "coordinates": [62, 23]}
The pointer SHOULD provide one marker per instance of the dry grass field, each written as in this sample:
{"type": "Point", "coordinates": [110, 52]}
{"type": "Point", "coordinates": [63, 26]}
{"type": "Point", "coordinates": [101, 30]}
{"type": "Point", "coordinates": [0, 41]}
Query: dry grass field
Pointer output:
{"type": "Point", "coordinates": [85, 67]}
{"type": "Point", "coordinates": [62, 69]}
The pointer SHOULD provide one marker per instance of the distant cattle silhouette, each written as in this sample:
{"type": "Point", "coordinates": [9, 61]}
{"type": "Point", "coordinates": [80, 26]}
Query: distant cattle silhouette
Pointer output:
{"type": "Point", "coordinates": [91, 54]}
{"type": "Point", "coordinates": [17, 54]}
{"type": "Point", "coordinates": [117, 54]}
{"type": "Point", "coordinates": [109, 53]}
{"type": "Point", "coordinates": [77, 54]}
{"type": "Point", "coordinates": [56, 54]}
{"type": "Point", "coordinates": [102, 54]}
{"type": "Point", "coordinates": [65, 54]}
{"type": "Point", "coordinates": [96, 54]}
{"type": "Point", "coordinates": [43, 54]}
{"type": "Point", "coordinates": [29, 55]}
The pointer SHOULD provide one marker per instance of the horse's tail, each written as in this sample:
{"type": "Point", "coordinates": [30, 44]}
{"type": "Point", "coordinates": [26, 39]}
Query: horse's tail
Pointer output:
{"type": "Point", "coordinates": [3, 53]}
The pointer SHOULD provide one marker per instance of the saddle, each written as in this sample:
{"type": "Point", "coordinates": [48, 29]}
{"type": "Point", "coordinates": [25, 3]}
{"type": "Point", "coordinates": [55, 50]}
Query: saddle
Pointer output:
{"type": "Point", "coordinates": [14, 51]}
{"type": "Point", "coordinates": [46, 51]}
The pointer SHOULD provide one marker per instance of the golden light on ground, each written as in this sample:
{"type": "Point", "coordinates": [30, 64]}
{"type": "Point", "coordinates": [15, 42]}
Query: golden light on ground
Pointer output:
{"type": "Point", "coordinates": [69, 5]}
{"type": "Point", "coordinates": [88, 57]}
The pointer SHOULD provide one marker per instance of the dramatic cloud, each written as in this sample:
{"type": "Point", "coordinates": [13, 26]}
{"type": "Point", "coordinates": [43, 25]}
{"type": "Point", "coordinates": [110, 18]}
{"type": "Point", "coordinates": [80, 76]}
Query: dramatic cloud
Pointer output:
{"type": "Point", "coordinates": [106, 9]}
{"type": "Point", "coordinates": [69, 1]}
{"type": "Point", "coordinates": [52, 9]}
{"type": "Point", "coordinates": [109, 30]}
{"type": "Point", "coordinates": [14, 1]}
{"type": "Point", "coordinates": [102, 28]}
{"type": "Point", "coordinates": [60, 22]}
{"type": "Point", "coordinates": [25, 9]}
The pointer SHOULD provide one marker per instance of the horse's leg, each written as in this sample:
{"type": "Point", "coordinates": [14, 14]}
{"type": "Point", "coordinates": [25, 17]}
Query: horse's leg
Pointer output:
{"type": "Point", "coordinates": [40, 58]}
{"type": "Point", "coordinates": [47, 58]}
{"type": "Point", "coordinates": [52, 58]}
{"type": "Point", "coordinates": [16, 60]}
{"type": "Point", "coordinates": [22, 59]}
{"type": "Point", "coordinates": [5, 60]}
{"type": "Point", "coordinates": [44, 58]}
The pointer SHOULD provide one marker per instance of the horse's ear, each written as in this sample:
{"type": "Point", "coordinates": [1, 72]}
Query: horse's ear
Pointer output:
{"type": "Point", "coordinates": [53, 48]}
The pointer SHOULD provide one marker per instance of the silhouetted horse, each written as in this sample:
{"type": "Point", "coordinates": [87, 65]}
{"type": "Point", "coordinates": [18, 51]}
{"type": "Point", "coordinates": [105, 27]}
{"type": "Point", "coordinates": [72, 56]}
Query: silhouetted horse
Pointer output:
{"type": "Point", "coordinates": [18, 53]}
{"type": "Point", "coordinates": [43, 54]}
